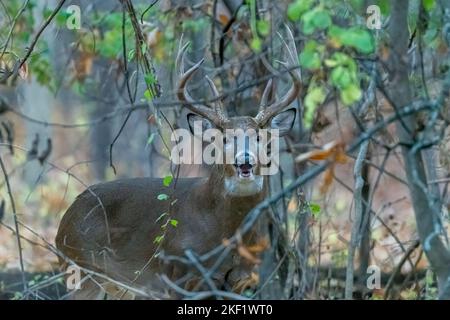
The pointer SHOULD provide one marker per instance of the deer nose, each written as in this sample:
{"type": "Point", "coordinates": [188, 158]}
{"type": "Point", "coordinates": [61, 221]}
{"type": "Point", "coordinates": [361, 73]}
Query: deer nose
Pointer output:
{"type": "Point", "coordinates": [244, 158]}
{"type": "Point", "coordinates": [244, 162]}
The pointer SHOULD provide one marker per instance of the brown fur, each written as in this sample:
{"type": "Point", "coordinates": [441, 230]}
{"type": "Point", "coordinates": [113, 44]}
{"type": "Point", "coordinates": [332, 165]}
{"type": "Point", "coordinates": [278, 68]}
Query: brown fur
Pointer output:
{"type": "Point", "coordinates": [205, 218]}
{"type": "Point", "coordinates": [111, 227]}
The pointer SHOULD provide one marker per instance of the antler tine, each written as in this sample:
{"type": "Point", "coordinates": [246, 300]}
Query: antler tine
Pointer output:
{"type": "Point", "coordinates": [291, 47]}
{"type": "Point", "coordinates": [183, 94]}
{"type": "Point", "coordinates": [265, 96]}
{"type": "Point", "coordinates": [179, 62]}
{"type": "Point", "coordinates": [218, 106]}
{"type": "Point", "coordinates": [268, 111]}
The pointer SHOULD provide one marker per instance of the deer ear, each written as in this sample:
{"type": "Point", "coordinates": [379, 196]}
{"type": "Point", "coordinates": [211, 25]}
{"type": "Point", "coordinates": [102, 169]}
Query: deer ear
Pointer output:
{"type": "Point", "coordinates": [284, 121]}
{"type": "Point", "coordinates": [193, 118]}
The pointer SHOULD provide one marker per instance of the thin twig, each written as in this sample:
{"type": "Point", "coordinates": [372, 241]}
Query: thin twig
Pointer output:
{"type": "Point", "coordinates": [16, 224]}
{"type": "Point", "coordinates": [356, 227]}
{"type": "Point", "coordinates": [39, 33]}
{"type": "Point", "coordinates": [405, 257]}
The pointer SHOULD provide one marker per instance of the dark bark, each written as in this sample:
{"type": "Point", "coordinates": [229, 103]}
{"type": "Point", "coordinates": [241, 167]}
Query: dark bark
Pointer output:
{"type": "Point", "coordinates": [426, 211]}
{"type": "Point", "coordinates": [364, 247]}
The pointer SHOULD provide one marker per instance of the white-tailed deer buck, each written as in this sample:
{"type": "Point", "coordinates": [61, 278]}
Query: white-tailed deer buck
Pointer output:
{"type": "Point", "coordinates": [111, 228]}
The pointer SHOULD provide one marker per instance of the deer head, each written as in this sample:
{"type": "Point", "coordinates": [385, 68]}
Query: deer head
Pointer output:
{"type": "Point", "coordinates": [242, 174]}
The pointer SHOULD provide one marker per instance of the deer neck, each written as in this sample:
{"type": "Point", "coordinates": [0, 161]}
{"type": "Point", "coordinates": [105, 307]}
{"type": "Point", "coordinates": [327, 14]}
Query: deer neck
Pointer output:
{"type": "Point", "coordinates": [217, 194]}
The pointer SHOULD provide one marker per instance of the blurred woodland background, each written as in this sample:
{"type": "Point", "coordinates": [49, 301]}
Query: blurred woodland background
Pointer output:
{"type": "Point", "coordinates": [364, 174]}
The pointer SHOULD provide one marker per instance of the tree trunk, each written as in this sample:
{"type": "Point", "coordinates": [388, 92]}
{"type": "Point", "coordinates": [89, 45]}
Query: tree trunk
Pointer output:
{"type": "Point", "coordinates": [427, 213]}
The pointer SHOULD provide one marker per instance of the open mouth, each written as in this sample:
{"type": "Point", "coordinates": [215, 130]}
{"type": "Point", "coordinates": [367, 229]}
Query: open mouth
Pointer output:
{"type": "Point", "coordinates": [245, 170]}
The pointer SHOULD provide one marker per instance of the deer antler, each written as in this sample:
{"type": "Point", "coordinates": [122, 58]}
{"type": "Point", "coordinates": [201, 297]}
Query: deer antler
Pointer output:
{"type": "Point", "coordinates": [217, 115]}
{"type": "Point", "coordinates": [268, 111]}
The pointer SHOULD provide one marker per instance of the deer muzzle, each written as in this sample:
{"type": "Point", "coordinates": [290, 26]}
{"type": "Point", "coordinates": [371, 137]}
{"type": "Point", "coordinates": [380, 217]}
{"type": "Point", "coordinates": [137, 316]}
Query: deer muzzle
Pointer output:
{"type": "Point", "coordinates": [245, 163]}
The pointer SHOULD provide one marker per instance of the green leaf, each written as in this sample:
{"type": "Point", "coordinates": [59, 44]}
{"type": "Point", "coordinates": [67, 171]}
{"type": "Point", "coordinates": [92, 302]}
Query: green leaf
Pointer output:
{"type": "Point", "coordinates": [148, 95]}
{"type": "Point", "coordinates": [256, 44]}
{"type": "Point", "coordinates": [310, 57]}
{"type": "Point", "coordinates": [342, 59]}
{"type": "Point", "coordinates": [322, 19]}
{"type": "Point", "coordinates": [296, 9]}
{"type": "Point", "coordinates": [317, 19]}
{"type": "Point", "coordinates": [174, 222]}
{"type": "Point", "coordinates": [428, 4]}
{"type": "Point", "coordinates": [150, 79]}
{"type": "Point", "coordinates": [60, 18]}
{"type": "Point", "coordinates": [315, 209]}
{"type": "Point", "coordinates": [385, 7]}
{"type": "Point", "coordinates": [263, 27]}
{"type": "Point", "coordinates": [315, 96]}
{"type": "Point", "coordinates": [111, 44]}
{"type": "Point", "coordinates": [162, 196]}
{"type": "Point", "coordinates": [167, 180]}
{"type": "Point", "coordinates": [351, 94]}
{"type": "Point", "coordinates": [310, 60]}
{"type": "Point", "coordinates": [341, 77]}
{"type": "Point", "coordinates": [158, 239]}
{"type": "Point", "coordinates": [356, 37]}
